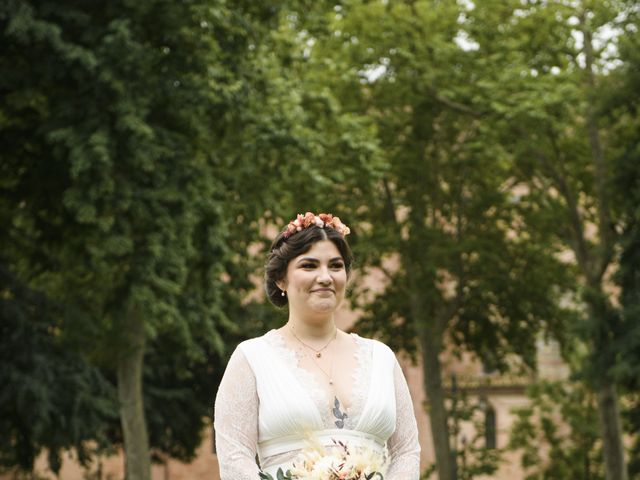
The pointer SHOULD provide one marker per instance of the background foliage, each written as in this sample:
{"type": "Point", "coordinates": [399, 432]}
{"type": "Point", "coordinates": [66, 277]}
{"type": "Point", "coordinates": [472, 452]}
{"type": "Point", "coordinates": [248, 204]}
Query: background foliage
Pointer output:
{"type": "Point", "coordinates": [484, 153]}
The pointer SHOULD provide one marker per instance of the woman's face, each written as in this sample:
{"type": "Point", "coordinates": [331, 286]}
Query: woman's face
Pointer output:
{"type": "Point", "coordinates": [316, 280]}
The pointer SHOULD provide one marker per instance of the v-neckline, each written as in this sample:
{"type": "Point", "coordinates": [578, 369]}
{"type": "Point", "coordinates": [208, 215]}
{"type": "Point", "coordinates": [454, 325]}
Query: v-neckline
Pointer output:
{"type": "Point", "coordinates": [327, 401]}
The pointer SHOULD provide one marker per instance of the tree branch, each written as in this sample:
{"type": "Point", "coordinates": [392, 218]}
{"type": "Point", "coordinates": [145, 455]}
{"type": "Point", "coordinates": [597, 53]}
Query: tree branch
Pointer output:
{"type": "Point", "coordinates": [391, 209]}
{"type": "Point", "coordinates": [605, 226]}
{"type": "Point", "coordinates": [459, 107]}
{"type": "Point", "coordinates": [575, 218]}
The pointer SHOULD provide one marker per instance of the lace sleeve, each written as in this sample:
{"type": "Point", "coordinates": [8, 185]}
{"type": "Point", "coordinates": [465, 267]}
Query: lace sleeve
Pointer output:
{"type": "Point", "coordinates": [404, 449]}
{"type": "Point", "coordinates": [236, 421]}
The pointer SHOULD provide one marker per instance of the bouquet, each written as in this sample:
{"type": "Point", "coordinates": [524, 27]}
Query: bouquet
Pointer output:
{"type": "Point", "coordinates": [338, 462]}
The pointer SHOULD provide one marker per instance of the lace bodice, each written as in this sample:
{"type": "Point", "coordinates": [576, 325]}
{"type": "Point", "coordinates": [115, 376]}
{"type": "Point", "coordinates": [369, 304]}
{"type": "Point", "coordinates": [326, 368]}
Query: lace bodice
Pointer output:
{"type": "Point", "coordinates": [360, 378]}
{"type": "Point", "coordinates": [265, 395]}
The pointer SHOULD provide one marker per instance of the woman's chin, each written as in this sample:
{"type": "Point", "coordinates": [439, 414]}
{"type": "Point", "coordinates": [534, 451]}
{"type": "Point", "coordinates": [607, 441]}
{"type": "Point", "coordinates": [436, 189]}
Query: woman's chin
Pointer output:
{"type": "Point", "coordinates": [325, 306]}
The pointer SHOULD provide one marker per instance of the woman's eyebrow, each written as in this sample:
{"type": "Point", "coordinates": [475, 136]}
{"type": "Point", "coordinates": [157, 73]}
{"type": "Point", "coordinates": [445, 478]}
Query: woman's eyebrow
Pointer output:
{"type": "Point", "coordinates": [315, 260]}
{"type": "Point", "coordinates": [308, 259]}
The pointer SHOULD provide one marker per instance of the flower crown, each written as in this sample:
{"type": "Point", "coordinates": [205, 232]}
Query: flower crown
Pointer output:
{"type": "Point", "coordinates": [321, 220]}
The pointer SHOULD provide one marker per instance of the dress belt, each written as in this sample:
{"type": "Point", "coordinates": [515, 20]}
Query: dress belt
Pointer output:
{"type": "Point", "coordinates": [278, 445]}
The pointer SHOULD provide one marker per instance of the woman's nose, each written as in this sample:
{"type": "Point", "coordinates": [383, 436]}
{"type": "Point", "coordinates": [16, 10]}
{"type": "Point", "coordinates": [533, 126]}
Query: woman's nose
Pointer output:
{"type": "Point", "coordinates": [324, 276]}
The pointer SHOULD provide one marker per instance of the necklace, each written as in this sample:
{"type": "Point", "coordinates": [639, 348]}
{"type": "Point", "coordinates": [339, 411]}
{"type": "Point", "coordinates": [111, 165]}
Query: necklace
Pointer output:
{"type": "Point", "coordinates": [328, 375]}
{"type": "Point", "coordinates": [318, 352]}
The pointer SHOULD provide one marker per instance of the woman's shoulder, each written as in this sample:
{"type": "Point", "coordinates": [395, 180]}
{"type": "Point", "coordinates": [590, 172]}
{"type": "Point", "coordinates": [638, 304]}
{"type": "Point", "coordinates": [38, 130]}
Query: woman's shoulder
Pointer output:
{"type": "Point", "coordinates": [262, 346]}
{"type": "Point", "coordinates": [374, 344]}
{"type": "Point", "coordinates": [255, 342]}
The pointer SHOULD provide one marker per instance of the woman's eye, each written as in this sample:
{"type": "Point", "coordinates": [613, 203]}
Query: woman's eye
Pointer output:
{"type": "Point", "coordinates": [338, 266]}
{"type": "Point", "coordinates": [308, 265]}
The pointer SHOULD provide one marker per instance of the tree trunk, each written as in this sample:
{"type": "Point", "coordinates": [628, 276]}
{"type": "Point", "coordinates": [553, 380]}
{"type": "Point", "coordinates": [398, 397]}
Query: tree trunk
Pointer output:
{"type": "Point", "coordinates": [430, 333]}
{"type": "Point", "coordinates": [611, 431]}
{"type": "Point", "coordinates": [608, 409]}
{"type": "Point", "coordinates": [134, 427]}
{"type": "Point", "coordinates": [437, 411]}
{"type": "Point", "coordinates": [603, 321]}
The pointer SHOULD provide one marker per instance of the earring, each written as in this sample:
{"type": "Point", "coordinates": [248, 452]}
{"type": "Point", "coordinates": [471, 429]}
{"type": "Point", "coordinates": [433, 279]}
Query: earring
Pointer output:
{"type": "Point", "coordinates": [283, 293]}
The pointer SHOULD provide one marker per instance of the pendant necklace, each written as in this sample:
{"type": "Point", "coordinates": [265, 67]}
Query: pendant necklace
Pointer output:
{"type": "Point", "coordinates": [339, 415]}
{"type": "Point", "coordinates": [318, 352]}
{"type": "Point", "coordinates": [328, 375]}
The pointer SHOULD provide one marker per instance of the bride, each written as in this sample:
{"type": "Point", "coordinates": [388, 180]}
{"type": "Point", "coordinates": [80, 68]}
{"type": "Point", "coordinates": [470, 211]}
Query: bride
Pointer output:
{"type": "Point", "coordinates": [309, 382]}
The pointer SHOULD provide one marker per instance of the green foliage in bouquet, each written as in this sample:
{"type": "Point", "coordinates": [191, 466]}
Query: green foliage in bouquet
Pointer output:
{"type": "Point", "coordinates": [280, 475]}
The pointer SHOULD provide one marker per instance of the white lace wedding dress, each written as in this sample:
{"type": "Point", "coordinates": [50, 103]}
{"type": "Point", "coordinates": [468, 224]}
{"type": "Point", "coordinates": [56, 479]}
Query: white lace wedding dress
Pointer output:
{"type": "Point", "coordinates": [268, 405]}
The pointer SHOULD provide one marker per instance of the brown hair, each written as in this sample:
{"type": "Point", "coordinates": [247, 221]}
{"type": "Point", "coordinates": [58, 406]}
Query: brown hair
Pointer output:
{"type": "Point", "coordinates": [283, 250]}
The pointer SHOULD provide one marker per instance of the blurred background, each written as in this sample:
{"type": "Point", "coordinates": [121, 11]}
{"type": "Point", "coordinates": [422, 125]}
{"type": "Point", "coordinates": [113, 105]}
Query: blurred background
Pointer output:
{"type": "Point", "coordinates": [486, 155]}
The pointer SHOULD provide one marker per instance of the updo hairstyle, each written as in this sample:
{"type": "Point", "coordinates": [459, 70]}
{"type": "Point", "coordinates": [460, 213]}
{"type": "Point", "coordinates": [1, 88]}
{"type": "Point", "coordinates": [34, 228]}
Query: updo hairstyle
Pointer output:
{"type": "Point", "coordinates": [283, 250]}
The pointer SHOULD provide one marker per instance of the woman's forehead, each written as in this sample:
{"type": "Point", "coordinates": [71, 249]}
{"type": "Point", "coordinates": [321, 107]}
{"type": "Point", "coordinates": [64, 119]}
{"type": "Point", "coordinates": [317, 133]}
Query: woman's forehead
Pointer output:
{"type": "Point", "coordinates": [322, 249]}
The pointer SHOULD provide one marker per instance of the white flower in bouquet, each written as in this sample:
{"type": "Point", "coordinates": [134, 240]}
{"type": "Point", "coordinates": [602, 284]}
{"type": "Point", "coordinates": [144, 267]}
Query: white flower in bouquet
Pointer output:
{"type": "Point", "coordinates": [322, 466]}
{"type": "Point", "coordinates": [363, 464]}
{"type": "Point", "coordinates": [337, 463]}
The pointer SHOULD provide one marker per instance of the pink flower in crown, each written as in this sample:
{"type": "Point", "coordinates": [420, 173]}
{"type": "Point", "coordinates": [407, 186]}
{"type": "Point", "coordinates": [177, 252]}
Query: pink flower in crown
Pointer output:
{"type": "Point", "coordinates": [309, 219]}
{"type": "Point", "coordinates": [339, 226]}
{"type": "Point", "coordinates": [290, 230]}
{"type": "Point", "coordinates": [326, 218]}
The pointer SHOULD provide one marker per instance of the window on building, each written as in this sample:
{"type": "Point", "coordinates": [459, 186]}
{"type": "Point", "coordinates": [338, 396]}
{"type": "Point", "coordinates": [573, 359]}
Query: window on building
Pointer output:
{"type": "Point", "coordinates": [489, 426]}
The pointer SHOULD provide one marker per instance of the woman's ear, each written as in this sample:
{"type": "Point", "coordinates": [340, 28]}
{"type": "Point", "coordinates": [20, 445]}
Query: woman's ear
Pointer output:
{"type": "Point", "coordinates": [282, 285]}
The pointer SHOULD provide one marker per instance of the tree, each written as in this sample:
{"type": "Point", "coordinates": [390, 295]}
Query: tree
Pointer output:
{"type": "Point", "coordinates": [468, 272]}
{"type": "Point", "coordinates": [132, 203]}
{"type": "Point", "coordinates": [112, 120]}
{"type": "Point", "coordinates": [476, 454]}
{"type": "Point", "coordinates": [558, 432]}
{"type": "Point", "coordinates": [550, 102]}
{"type": "Point", "coordinates": [51, 397]}
{"type": "Point", "coordinates": [619, 107]}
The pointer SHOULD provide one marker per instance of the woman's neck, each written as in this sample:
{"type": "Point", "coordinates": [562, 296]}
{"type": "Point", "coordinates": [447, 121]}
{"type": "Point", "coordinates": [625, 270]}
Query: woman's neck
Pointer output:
{"type": "Point", "coordinates": [318, 329]}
